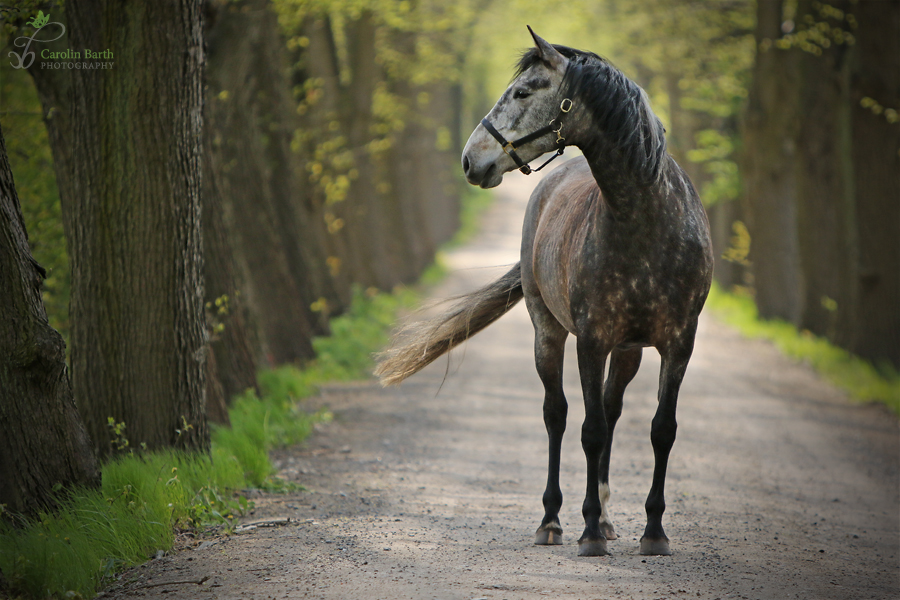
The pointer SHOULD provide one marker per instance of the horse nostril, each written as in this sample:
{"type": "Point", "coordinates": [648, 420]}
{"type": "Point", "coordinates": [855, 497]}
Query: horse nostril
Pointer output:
{"type": "Point", "coordinates": [466, 164]}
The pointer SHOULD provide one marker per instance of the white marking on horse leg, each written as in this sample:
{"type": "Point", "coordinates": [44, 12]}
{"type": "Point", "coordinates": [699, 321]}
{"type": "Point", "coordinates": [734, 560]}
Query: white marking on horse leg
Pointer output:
{"type": "Point", "coordinates": [604, 500]}
{"type": "Point", "coordinates": [606, 525]}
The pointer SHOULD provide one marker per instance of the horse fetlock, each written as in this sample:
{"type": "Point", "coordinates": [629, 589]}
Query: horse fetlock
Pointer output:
{"type": "Point", "coordinates": [593, 441]}
{"type": "Point", "coordinates": [552, 500]}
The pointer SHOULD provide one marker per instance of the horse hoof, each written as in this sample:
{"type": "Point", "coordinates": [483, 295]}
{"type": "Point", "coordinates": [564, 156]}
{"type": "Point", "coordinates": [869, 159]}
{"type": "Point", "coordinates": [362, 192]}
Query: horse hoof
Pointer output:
{"type": "Point", "coordinates": [592, 548]}
{"type": "Point", "coordinates": [548, 535]}
{"type": "Point", "coordinates": [655, 546]}
{"type": "Point", "coordinates": [608, 531]}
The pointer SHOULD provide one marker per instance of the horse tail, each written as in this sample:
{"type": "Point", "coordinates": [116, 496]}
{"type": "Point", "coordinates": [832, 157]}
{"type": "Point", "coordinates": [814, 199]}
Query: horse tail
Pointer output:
{"type": "Point", "coordinates": [417, 345]}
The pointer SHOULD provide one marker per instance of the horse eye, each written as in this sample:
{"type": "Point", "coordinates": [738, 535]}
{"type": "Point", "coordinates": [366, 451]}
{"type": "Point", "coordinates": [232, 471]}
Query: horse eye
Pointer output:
{"type": "Point", "coordinates": [521, 94]}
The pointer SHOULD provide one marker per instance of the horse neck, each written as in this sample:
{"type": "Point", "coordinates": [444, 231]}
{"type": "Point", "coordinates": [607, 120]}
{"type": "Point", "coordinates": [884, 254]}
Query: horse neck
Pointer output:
{"type": "Point", "coordinates": [621, 188]}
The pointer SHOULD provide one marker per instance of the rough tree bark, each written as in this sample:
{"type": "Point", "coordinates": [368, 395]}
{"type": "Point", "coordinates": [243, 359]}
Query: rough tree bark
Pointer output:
{"type": "Point", "coordinates": [43, 441]}
{"type": "Point", "coordinates": [127, 157]}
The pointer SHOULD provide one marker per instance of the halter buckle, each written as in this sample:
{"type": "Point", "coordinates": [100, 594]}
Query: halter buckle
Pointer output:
{"type": "Point", "coordinates": [566, 105]}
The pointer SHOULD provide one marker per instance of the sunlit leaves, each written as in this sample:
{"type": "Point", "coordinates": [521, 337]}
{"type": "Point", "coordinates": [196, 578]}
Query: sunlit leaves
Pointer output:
{"type": "Point", "coordinates": [707, 50]}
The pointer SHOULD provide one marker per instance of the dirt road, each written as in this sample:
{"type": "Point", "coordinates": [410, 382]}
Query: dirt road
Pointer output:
{"type": "Point", "coordinates": [778, 486]}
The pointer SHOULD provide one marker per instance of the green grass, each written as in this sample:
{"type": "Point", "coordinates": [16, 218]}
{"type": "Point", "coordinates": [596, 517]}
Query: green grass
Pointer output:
{"type": "Point", "coordinates": [144, 498]}
{"type": "Point", "coordinates": [857, 376]}
{"type": "Point", "coordinates": [134, 513]}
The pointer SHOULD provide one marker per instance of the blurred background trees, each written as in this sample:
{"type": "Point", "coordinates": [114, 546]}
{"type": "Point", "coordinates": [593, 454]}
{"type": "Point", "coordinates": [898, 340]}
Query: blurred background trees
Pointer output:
{"type": "Point", "coordinates": [331, 134]}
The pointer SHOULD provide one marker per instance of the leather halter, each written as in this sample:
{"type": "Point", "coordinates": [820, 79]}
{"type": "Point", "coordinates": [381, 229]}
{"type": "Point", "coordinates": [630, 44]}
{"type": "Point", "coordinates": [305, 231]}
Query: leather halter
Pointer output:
{"type": "Point", "coordinates": [555, 126]}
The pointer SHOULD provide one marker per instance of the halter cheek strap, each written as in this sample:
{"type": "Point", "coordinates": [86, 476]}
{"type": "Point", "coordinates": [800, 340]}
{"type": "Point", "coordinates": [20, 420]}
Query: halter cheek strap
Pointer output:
{"type": "Point", "coordinates": [555, 126]}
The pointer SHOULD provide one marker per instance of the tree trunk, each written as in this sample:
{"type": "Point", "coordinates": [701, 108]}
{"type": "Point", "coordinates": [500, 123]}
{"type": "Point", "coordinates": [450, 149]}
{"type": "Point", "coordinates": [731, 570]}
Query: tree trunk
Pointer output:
{"type": "Point", "coordinates": [43, 441]}
{"type": "Point", "coordinates": [234, 345]}
{"type": "Point", "coordinates": [346, 244]}
{"type": "Point", "coordinates": [131, 200]}
{"type": "Point", "coordinates": [876, 181]}
{"type": "Point", "coordinates": [723, 216]}
{"type": "Point", "coordinates": [440, 170]}
{"type": "Point", "coordinates": [825, 213]}
{"type": "Point", "coordinates": [767, 168]}
{"type": "Point", "coordinates": [254, 179]}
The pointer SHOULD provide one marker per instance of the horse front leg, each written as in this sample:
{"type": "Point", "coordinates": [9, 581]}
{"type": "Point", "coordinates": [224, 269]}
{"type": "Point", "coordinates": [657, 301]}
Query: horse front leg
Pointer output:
{"type": "Point", "coordinates": [549, 350]}
{"type": "Point", "coordinates": [623, 365]}
{"type": "Point", "coordinates": [662, 436]}
{"type": "Point", "coordinates": [592, 355]}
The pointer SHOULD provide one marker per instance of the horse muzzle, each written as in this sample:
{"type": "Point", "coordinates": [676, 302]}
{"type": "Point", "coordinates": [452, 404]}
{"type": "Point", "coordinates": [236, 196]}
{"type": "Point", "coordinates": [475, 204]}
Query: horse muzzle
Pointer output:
{"type": "Point", "coordinates": [480, 160]}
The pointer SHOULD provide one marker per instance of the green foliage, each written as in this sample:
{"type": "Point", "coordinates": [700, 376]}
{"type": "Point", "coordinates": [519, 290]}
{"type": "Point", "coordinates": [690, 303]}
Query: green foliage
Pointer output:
{"type": "Point", "coordinates": [715, 151]}
{"type": "Point", "coordinates": [260, 424]}
{"type": "Point", "coordinates": [858, 377]}
{"type": "Point", "coordinates": [816, 31]}
{"type": "Point", "coordinates": [739, 248]}
{"type": "Point", "coordinates": [696, 58]}
{"type": "Point", "coordinates": [143, 498]}
{"type": "Point", "coordinates": [415, 45]}
{"type": "Point", "coordinates": [347, 353]}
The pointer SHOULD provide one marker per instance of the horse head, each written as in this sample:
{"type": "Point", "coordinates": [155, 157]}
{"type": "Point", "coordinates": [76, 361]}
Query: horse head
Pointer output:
{"type": "Point", "coordinates": [528, 113]}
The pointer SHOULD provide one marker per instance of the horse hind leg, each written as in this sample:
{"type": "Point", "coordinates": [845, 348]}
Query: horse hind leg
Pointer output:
{"type": "Point", "coordinates": [549, 349]}
{"type": "Point", "coordinates": [623, 366]}
{"type": "Point", "coordinates": [662, 436]}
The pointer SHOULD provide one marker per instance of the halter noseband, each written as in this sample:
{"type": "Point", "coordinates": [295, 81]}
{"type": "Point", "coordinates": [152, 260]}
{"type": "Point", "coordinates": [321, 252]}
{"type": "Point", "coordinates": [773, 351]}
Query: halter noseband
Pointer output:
{"type": "Point", "coordinates": [555, 126]}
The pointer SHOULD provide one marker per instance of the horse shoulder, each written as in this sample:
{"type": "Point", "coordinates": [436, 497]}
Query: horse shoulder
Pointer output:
{"type": "Point", "coordinates": [555, 228]}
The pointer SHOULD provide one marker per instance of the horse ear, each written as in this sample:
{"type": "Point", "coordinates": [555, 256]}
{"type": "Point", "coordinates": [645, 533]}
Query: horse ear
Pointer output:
{"type": "Point", "coordinates": [547, 52]}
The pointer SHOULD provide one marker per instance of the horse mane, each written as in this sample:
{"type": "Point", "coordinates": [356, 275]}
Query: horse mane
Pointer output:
{"type": "Point", "coordinates": [618, 107]}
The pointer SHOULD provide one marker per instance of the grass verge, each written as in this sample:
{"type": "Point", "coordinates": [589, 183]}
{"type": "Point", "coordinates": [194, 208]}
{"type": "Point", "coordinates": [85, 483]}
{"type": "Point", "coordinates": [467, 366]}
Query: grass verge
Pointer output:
{"type": "Point", "coordinates": [855, 375]}
{"type": "Point", "coordinates": [145, 498]}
